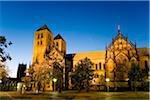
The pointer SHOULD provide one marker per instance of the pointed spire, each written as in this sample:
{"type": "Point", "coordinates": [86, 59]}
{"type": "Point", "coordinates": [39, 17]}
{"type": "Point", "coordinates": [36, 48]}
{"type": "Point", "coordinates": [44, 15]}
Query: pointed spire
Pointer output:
{"type": "Point", "coordinates": [106, 47]}
{"type": "Point", "coordinates": [118, 28]}
{"type": "Point", "coordinates": [127, 38]}
{"type": "Point", "coordinates": [113, 39]}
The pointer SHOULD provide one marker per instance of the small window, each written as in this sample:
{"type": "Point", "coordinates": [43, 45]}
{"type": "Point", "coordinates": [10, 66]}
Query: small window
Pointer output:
{"type": "Point", "coordinates": [38, 36]}
{"type": "Point", "coordinates": [97, 76]}
{"type": "Point", "coordinates": [38, 43]}
{"type": "Point", "coordinates": [56, 44]}
{"type": "Point", "coordinates": [100, 65]}
{"type": "Point", "coordinates": [41, 42]}
{"type": "Point", "coordinates": [104, 66]}
{"type": "Point", "coordinates": [41, 35]}
{"type": "Point", "coordinates": [96, 66]}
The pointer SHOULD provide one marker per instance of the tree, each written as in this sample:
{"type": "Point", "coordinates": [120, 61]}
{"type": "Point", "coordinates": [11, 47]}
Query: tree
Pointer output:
{"type": "Point", "coordinates": [39, 74]}
{"type": "Point", "coordinates": [145, 74]}
{"type": "Point", "coordinates": [3, 72]}
{"type": "Point", "coordinates": [83, 74]}
{"type": "Point", "coordinates": [57, 63]}
{"type": "Point", "coordinates": [4, 56]}
{"type": "Point", "coordinates": [120, 74]}
{"type": "Point", "coordinates": [42, 73]}
{"type": "Point", "coordinates": [134, 75]}
{"type": "Point", "coordinates": [58, 74]}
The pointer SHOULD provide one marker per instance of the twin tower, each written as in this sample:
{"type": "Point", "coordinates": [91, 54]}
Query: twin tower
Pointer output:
{"type": "Point", "coordinates": [44, 41]}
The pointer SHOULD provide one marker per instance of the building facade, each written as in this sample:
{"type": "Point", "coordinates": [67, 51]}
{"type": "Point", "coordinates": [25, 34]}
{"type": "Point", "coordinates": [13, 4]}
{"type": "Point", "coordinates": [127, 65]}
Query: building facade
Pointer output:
{"type": "Point", "coordinates": [46, 44]}
{"type": "Point", "coordinates": [121, 51]}
{"type": "Point", "coordinates": [21, 71]}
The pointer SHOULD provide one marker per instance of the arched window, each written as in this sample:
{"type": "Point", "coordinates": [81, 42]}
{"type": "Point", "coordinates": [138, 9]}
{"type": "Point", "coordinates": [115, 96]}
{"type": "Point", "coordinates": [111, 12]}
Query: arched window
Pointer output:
{"type": "Point", "coordinates": [104, 66]}
{"type": "Point", "coordinates": [96, 66]}
{"type": "Point", "coordinates": [56, 44]}
{"type": "Point", "coordinates": [38, 36]}
{"type": "Point", "coordinates": [100, 65]}
{"type": "Point", "coordinates": [41, 35]}
{"type": "Point", "coordinates": [38, 43]}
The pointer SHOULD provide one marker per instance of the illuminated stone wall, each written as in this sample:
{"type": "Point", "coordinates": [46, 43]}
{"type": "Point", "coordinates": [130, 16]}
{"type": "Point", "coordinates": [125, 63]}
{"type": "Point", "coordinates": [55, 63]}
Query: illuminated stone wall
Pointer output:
{"type": "Point", "coordinates": [120, 52]}
{"type": "Point", "coordinates": [44, 42]}
{"type": "Point", "coordinates": [98, 59]}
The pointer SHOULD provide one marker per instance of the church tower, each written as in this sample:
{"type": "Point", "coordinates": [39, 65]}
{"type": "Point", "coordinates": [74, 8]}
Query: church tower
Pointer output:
{"type": "Point", "coordinates": [60, 44]}
{"type": "Point", "coordinates": [43, 40]}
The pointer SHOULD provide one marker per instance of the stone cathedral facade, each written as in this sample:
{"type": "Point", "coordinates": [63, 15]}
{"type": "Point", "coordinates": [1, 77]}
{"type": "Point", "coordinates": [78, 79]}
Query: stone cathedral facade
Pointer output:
{"type": "Point", "coordinates": [46, 43]}
{"type": "Point", "coordinates": [120, 51]}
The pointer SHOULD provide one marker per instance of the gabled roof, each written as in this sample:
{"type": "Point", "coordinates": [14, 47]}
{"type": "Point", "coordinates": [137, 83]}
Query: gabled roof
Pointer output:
{"type": "Point", "coordinates": [43, 27]}
{"type": "Point", "coordinates": [59, 37]}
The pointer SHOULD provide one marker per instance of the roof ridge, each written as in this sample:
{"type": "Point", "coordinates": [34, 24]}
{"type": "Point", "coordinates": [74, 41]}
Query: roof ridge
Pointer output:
{"type": "Point", "coordinates": [58, 36]}
{"type": "Point", "coordinates": [43, 27]}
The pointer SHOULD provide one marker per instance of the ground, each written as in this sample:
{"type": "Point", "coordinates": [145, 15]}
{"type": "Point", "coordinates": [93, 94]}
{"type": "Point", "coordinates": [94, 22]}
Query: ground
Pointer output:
{"type": "Point", "coordinates": [73, 95]}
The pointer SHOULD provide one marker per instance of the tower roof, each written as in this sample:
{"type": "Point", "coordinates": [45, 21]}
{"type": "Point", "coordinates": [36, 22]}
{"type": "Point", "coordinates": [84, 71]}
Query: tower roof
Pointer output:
{"type": "Point", "coordinates": [43, 27]}
{"type": "Point", "coordinates": [59, 37]}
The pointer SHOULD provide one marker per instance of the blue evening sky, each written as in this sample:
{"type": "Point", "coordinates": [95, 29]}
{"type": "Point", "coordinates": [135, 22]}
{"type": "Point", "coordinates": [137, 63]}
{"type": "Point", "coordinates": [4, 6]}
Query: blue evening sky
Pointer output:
{"type": "Point", "coordinates": [86, 26]}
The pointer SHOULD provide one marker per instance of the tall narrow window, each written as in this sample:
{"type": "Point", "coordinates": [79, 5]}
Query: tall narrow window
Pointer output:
{"type": "Point", "coordinates": [100, 65]}
{"type": "Point", "coordinates": [41, 42]}
{"type": "Point", "coordinates": [104, 66]}
{"type": "Point", "coordinates": [38, 43]}
{"type": "Point", "coordinates": [41, 35]}
{"type": "Point", "coordinates": [96, 66]}
{"type": "Point", "coordinates": [57, 44]}
{"type": "Point", "coordinates": [38, 36]}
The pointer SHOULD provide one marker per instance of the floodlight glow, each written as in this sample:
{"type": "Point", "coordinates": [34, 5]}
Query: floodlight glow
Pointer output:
{"type": "Point", "coordinates": [54, 80]}
{"type": "Point", "coordinates": [107, 79]}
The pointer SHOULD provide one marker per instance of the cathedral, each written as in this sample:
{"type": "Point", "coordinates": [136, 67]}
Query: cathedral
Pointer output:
{"type": "Point", "coordinates": [120, 52]}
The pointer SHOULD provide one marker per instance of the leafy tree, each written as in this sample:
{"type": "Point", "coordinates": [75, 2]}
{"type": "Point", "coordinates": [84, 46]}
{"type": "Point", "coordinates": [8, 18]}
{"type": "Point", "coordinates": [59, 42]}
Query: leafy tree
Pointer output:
{"type": "Point", "coordinates": [39, 74]}
{"type": "Point", "coordinates": [145, 74]}
{"type": "Point", "coordinates": [42, 73]}
{"type": "Point", "coordinates": [56, 61]}
{"type": "Point", "coordinates": [4, 56]}
{"type": "Point", "coordinates": [3, 72]}
{"type": "Point", "coordinates": [120, 74]}
{"type": "Point", "coordinates": [58, 74]}
{"type": "Point", "coordinates": [134, 75]}
{"type": "Point", "coordinates": [83, 74]}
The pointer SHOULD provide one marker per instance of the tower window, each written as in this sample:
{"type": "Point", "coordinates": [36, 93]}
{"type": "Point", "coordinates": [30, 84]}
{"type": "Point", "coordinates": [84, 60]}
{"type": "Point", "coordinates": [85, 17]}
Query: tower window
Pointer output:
{"type": "Point", "coordinates": [38, 36]}
{"type": "Point", "coordinates": [41, 35]}
{"type": "Point", "coordinates": [38, 43]}
{"type": "Point", "coordinates": [41, 42]}
{"type": "Point", "coordinates": [56, 44]}
{"type": "Point", "coordinates": [100, 65]}
{"type": "Point", "coordinates": [96, 66]}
